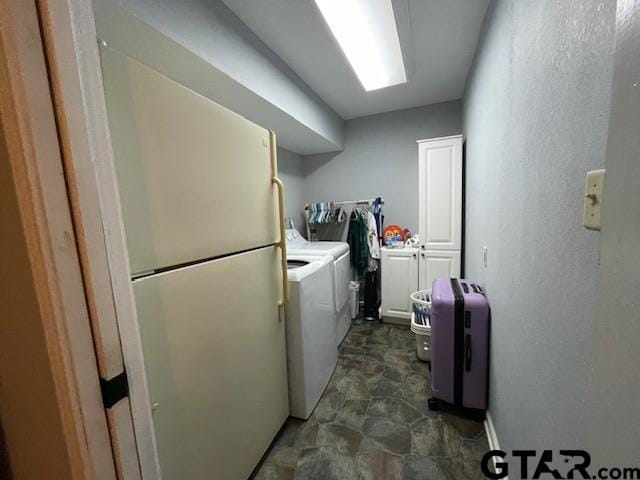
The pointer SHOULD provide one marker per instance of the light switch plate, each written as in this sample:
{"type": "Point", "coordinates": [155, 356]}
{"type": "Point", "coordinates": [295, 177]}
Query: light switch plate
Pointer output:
{"type": "Point", "coordinates": [593, 199]}
{"type": "Point", "coordinates": [484, 256]}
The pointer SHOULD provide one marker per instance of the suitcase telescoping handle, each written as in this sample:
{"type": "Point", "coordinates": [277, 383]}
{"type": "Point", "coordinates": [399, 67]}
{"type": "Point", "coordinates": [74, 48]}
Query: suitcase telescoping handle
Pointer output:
{"type": "Point", "coordinates": [467, 353]}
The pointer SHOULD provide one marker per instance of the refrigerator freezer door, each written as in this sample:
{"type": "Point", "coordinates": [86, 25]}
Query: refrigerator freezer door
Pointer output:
{"type": "Point", "coordinates": [194, 177]}
{"type": "Point", "coordinates": [215, 356]}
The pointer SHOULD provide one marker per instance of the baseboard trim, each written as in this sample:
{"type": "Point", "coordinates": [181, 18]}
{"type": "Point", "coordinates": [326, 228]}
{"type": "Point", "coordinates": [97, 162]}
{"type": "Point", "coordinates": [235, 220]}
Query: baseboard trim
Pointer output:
{"type": "Point", "coordinates": [492, 437]}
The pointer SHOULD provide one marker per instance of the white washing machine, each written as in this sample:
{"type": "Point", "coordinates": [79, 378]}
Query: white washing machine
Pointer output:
{"type": "Point", "coordinates": [342, 273]}
{"type": "Point", "coordinates": [312, 353]}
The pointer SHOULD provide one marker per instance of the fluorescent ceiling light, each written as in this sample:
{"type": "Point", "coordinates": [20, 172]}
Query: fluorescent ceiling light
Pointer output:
{"type": "Point", "coordinates": [366, 31]}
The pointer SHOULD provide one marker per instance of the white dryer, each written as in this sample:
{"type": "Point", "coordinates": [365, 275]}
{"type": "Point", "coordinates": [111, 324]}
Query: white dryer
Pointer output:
{"type": "Point", "coordinates": [342, 273]}
{"type": "Point", "coordinates": [312, 353]}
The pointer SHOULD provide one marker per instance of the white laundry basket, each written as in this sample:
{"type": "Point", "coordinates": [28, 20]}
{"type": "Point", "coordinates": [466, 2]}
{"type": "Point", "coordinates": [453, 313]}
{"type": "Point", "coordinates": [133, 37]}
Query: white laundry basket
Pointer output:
{"type": "Point", "coordinates": [421, 323]}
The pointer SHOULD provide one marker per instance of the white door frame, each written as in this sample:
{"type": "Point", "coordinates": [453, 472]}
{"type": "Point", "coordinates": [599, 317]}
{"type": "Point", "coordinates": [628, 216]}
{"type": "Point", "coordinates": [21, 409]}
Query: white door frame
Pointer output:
{"type": "Point", "coordinates": [76, 78]}
{"type": "Point", "coordinates": [59, 400]}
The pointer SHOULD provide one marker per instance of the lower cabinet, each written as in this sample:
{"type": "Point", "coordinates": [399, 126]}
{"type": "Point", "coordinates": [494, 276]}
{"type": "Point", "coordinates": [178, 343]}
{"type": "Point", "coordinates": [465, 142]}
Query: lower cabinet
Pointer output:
{"type": "Point", "coordinates": [406, 270]}
{"type": "Point", "coordinates": [437, 263]}
{"type": "Point", "coordinates": [399, 279]}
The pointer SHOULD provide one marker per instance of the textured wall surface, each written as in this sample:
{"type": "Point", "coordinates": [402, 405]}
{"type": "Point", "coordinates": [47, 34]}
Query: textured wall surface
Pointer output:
{"type": "Point", "coordinates": [380, 158]}
{"type": "Point", "coordinates": [291, 171]}
{"type": "Point", "coordinates": [535, 119]}
{"type": "Point", "coordinates": [614, 429]}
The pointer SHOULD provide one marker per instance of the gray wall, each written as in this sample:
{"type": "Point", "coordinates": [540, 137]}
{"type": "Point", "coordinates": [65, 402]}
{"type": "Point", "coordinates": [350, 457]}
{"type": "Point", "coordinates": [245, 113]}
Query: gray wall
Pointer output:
{"type": "Point", "coordinates": [535, 119]}
{"type": "Point", "coordinates": [380, 158]}
{"type": "Point", "coordinates": [614, 423]}
{"type": "Point", "coordinates": [291, 171]}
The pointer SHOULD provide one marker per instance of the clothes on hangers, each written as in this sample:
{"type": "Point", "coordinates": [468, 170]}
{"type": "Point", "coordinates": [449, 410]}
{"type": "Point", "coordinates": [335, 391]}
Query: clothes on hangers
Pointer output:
{"type": "Point", "coordinates": [358, 242]}
{"type": "Point", "coordinates": [363, 241]}
{"type": "Point", "coordinates": [364, 237]}
{"type": "Point", "coordinates": [373, 241]}
{"type": "Point", "coordinates": [325, 212]}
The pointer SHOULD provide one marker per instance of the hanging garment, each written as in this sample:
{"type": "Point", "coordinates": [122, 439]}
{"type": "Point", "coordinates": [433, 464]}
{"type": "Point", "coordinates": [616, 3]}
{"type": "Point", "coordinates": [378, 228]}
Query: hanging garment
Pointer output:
{"type": "Point", "coordinates": [377, 212]}
{"type": "Point", "coordinates": [313, 213]}
{"type": "Point", "coordinates": [322, 213]}
{"type": "Point", "coordinates": [371, 296]}
{"type": "Point", "coordinates": [372, 236]}
{"type": "Point", "coordinates": [358, 242]}
{"type": "Point", "coordinates": [373, 243]}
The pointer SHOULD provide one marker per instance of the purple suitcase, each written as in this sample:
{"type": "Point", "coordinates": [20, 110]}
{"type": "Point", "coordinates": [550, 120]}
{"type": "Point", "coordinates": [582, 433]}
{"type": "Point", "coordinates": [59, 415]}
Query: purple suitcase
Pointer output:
{"type": "Point", "coordinates": [459, 346]}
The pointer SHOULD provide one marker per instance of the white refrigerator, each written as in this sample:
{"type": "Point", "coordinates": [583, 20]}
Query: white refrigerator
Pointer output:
{"type": "Point", "coordinates": [201, 216]}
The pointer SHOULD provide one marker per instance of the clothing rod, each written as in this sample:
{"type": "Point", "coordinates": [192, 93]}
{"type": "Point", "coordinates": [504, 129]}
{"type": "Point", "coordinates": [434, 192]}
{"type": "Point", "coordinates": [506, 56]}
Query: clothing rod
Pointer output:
{"type": "Point", "coordinates": [352, 202]}
{"type": "Point", "coordinates": [348, 202]}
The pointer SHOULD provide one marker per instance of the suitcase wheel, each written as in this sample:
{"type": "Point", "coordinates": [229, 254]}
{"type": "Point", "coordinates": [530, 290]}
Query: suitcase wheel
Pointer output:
{"type": "Point", "coordinates": [433, 404]}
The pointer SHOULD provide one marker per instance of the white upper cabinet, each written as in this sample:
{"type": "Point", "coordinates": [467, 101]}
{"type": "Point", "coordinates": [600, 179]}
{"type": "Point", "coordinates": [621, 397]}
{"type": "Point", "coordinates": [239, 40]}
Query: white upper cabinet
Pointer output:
{"type": "Point", "coordinates": [440, 202]}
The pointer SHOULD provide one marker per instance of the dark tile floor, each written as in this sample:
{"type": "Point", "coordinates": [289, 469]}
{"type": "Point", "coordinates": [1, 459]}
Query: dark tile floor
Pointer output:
{"type": "Point", "coordinates": [373, 422]}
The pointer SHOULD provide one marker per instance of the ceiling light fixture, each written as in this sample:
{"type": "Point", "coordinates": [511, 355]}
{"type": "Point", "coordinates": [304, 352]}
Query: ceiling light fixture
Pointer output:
{"type": "Point", "coordinates": [366, 32]}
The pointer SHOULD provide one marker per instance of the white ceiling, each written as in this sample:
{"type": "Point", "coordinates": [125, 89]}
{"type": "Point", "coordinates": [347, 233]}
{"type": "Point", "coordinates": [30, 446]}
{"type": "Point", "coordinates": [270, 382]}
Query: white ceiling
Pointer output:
{"type": "Point", "coordinates": [440, 41]}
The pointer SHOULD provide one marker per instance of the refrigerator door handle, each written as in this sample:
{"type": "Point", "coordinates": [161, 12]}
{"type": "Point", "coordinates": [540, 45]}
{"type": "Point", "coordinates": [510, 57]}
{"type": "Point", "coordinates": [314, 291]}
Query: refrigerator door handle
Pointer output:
{"type": "Point", "coordinates": [283, 242]}
{"type": "Point", "coordinates": [281, 219]}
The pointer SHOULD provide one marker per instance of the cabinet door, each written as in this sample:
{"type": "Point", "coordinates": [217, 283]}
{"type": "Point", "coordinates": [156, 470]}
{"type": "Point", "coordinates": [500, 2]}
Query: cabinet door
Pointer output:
{"type": "Point", "coordinates": [440, 193]}
{"type": "Point", "coordinates": [438, 263]}
{"type": "Point", "coordinates": [399, 280]}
